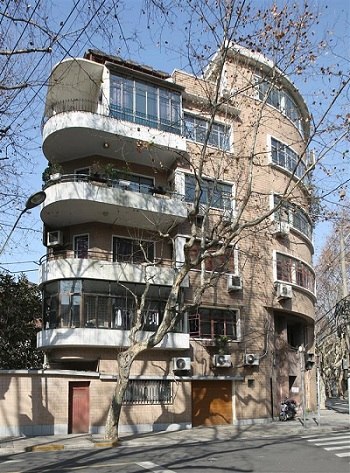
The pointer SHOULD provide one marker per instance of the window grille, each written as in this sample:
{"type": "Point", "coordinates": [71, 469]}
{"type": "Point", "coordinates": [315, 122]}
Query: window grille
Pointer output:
{"type": "Point", "coordinates": [148, 392]}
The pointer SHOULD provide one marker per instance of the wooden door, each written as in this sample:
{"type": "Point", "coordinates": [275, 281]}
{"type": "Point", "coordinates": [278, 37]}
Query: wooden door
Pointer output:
{"type": "Point", "coordinates": [79, 409]}
{"type": "Point", "coordinates": [211, 403]}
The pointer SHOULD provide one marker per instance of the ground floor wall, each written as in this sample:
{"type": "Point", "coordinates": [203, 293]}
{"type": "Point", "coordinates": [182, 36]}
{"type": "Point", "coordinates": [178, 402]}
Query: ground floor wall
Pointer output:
{"type": "Point", "coordinates": [56, 402]}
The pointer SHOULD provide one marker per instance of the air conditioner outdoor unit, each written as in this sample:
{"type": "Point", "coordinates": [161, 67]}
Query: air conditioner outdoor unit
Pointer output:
{"type": "Point", "coordinates": [281, 229]}
{"type": "Point", "coordinates": [284, 291]}
{"type": "Point", "coordinates": [54, 238]}
{"type": "Point", "coordinates": [250, 359]}
{"type": "Point", "coordinates": [181, 364]}
{"type": "Point", "coordinates": [222, 361]}
{"type": "Point", "coordinates": [234, 282]}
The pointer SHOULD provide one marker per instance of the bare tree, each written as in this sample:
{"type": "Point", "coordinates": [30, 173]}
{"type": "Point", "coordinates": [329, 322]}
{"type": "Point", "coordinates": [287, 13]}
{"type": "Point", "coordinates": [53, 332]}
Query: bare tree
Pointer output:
{"type": "Point", "coordinates": [33, 36]}
{"type": "Point", "coordinates": [332, 322]}
{"type": "Point", "coordinates": [213, 32]}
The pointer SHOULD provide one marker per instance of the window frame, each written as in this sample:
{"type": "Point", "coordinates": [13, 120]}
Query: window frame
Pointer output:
{"type": "Point", "coordinates": [125, 103]}
{"type": "Point", "coordinates": [81, 253]}
{"type": "Point", "coordinates": [150, 245]}
{"type": "Point", "coordinates": [292, 214]}
{"type": "Point", "coordinates": [196, 129]}
{"type": "Point", "coordinates": [207, 317]}
{"type": "Point", "coordinates": [209, 192]}
{"type": "Point", "coordinates": [284, 103]}
{"type": "Point", "coordinates": [299, 273]}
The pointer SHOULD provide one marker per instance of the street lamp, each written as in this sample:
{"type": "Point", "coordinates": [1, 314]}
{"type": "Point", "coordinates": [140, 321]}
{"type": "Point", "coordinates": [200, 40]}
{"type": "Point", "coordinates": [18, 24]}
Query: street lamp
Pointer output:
{"type": "Point", "coordinates": [33, 201]}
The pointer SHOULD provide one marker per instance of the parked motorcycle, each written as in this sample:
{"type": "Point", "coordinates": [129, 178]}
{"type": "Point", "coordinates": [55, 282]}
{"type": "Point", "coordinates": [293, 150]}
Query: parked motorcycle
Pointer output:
{"type": "Point", "coordinates": [288, 409]}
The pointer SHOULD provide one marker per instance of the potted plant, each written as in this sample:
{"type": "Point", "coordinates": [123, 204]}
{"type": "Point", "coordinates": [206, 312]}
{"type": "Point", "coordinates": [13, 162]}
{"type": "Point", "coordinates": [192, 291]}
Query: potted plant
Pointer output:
{"type": "Point", "coordinates": [52, 172]}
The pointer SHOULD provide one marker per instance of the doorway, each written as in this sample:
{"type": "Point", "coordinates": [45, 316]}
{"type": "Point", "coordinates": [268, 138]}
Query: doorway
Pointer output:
{"type": "Point", "coordinates": [79, 407]}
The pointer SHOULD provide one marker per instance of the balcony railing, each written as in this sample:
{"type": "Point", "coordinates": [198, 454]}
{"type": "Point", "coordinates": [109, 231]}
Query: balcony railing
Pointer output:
{"type": "Point", "coordinates": [99, 255]}
{"type": "Point", "coordinates": [112, 111]}
{"type": "Point", "coordinates": [102, 179]}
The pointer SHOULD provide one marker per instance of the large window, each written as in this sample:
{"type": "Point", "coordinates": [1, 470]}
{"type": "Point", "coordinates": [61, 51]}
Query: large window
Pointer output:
{"type": "Point", "coordinates": [196, 129]}
{"type": "Point", "coordinates": [279, 99]}
{"type": "Point", "coordinates": [132, 251]}
{"type": "Point", "coordinates": [294, 215]}
{"type": "Point", "coordinates": [213, 322]}
{"type": "Point", "coordinates": [101, 304]}
{"type": "Point", "coordinates": [288, 159]}
{"type": "Point", "coordinates": [147, 104]}
{"type": "Point", "coordinates": [148, 392]}
{"type": "Point", "coordinates": [294, 271]}
{"type": "Point", "coordinates": [215, 194]}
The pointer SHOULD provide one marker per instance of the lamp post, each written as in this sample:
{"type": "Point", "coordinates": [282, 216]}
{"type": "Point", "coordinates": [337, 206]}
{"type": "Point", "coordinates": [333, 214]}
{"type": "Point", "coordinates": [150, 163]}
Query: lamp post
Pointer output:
{"type": "Point", "coordinates": [33, 201]}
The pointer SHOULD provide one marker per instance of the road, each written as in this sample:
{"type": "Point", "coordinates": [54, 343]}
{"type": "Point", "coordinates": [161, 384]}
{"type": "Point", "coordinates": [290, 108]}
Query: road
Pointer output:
{"type": "Point", "coordinates": [322, 453]}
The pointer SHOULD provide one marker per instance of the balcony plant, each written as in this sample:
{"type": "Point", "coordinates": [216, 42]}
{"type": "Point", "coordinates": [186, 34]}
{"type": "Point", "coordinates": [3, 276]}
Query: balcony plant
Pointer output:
{"type": "Point", "coordinates": [52, 171]}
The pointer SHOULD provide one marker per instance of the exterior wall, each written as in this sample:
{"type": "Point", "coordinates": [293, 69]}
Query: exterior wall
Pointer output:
{"type": "Point", "coordinates": [29, 405]}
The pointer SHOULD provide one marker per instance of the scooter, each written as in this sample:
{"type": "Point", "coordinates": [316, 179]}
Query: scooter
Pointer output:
{"type": "Point", "coordinates": [288, 409]}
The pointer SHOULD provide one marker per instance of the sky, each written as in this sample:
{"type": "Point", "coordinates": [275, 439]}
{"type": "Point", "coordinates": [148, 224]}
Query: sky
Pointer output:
{"type": "Point", "coordinates": [158, 47]}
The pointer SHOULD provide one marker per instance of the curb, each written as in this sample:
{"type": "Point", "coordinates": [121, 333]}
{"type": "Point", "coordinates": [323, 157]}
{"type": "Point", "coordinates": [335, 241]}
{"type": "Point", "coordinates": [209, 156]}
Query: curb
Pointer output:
{"type": "Point", "coordinates": [106, 443]}
{"type": "Point", "coordinates": [45, 448]}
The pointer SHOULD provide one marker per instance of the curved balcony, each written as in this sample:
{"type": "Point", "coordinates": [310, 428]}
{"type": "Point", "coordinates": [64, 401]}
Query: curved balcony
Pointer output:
{"type": "Point", "coordinates": [103, 338]}
{"type": "Point", "coordinates": [76, 128]}
{"type": "Point", "coordinates": [78, 199]}
{"type": "Point", "coordinates": [100, 266]}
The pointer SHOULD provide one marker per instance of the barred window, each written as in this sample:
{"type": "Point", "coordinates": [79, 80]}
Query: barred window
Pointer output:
{"type": "Point", "coordinates": [148, 392]}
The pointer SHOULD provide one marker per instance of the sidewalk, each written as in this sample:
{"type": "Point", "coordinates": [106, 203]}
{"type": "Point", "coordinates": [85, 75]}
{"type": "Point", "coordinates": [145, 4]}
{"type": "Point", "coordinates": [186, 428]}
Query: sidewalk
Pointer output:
{"type": "Point", "coordinates": [329, 421]}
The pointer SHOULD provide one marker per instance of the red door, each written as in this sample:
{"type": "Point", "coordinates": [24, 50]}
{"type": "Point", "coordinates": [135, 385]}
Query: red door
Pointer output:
{"type": "Point", "coordinates": [79, 410]}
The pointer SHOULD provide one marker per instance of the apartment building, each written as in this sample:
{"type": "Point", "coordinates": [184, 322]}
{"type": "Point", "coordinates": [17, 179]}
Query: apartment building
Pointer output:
{"type": "Point", "coordinates": [125, 145]}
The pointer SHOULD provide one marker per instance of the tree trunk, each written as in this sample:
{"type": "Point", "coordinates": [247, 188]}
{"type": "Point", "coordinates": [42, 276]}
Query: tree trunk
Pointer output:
{"type": "Point", "coordinates": [125, 360]}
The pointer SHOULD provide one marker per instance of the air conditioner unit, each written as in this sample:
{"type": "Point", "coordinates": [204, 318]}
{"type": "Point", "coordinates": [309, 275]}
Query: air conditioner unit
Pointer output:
{"type": "Point", "coordinates": [54, 238]}
{"type": "Point", "coordinates": [234, 282]}
{"type": "Point", "coordinates": [250, 359]}
{"type": "Point", "coordinates": [281, 229]}
{"type": "Point", "coordinates": [284, 291]}
{"type": "Point", "coordinates": [222, 361]}
{"type": "Point", "coordinates": [181, 364]}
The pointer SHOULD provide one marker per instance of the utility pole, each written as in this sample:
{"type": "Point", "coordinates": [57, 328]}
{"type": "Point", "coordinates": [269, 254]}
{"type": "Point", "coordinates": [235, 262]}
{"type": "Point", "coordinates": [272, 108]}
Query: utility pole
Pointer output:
{"type": "Point", "coordinates": [345, 294]}
{"type": "Point", "coordinates": [343, 263]}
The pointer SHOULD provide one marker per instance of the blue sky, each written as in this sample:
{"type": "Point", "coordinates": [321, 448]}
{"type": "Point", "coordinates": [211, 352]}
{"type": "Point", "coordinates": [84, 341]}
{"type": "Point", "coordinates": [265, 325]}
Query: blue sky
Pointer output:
{"type": "Point", "coordinates": [159, 48]}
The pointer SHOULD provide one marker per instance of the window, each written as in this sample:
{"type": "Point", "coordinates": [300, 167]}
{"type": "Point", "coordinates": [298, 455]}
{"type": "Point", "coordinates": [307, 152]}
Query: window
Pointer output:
{"type": "Point", "coordinates": [296, 216]}
{"type": "Point", "coordinates": [209, 323]}
{"type": "Point", "coordinates": [148, 392]}
{"type": "Point", "coordinates": [132, 251]}
{"type": "Point", "coordinates": [288, 159]}
{"type": "Point", "coordinates": [81, 246]}
{"type": "Point", "coordinates": [293, 271]}
{"type": "Point", "coordinates": [279, 99]}
{"type": "Point", "coordinates": [101, 304]}
{"type": "Point", "coordinates": [146, 104]}
{"type": "Point", "coordinates": [196, 129]}
{"type": "Point", "coordinates": [225, 263]}
{"type": "Point", "coordinates": [216, 194]}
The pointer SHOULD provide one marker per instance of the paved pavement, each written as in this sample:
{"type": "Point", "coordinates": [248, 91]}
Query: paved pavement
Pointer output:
{"type": "Point", "coordinates": [329, 420]}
